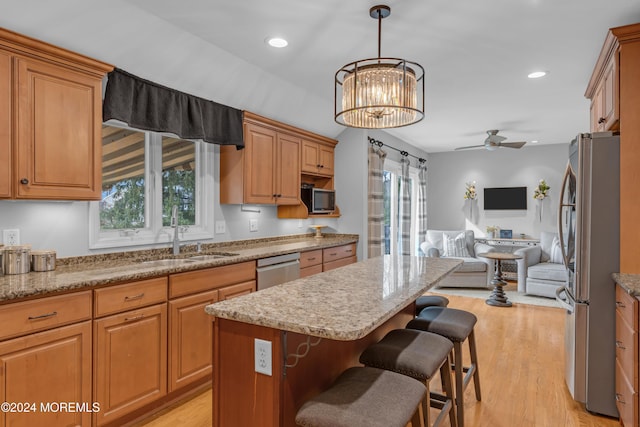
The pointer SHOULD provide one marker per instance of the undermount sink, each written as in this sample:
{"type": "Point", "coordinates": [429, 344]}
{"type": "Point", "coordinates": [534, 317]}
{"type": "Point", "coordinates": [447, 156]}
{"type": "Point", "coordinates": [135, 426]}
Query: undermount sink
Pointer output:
{"type": "Point", "coordinates": [168, 262]}
{"type": "Point", "coordinates": [215, 255]}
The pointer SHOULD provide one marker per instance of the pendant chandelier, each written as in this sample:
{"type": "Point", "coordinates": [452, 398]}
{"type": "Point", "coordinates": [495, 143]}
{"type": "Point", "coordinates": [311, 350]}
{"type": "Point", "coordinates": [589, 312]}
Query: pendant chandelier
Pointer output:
{"type": "Point", "coordinates": [379, 93]}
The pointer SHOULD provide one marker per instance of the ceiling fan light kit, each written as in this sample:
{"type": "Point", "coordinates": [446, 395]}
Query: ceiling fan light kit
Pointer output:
{"type": "Point", "coordinates": [379, 93]}
{"type": "Point", "coordinates": [493, 142]}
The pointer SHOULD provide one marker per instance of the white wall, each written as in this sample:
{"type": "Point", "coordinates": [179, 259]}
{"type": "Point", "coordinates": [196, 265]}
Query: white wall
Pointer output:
{"type": "Point", "coordinates": [448, 173]}
{"type": "Point", "coordinates": [351, 177]}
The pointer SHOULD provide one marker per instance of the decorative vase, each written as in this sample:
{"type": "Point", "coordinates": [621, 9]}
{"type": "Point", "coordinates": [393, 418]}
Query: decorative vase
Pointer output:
{"type": "Point", "coordinates": [490, 234]}
{"type": "Point", "coordinates": [540, 206]}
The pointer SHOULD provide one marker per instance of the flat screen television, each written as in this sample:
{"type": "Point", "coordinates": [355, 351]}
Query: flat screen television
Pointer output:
{"type": "Point", "coordinates": [505, 198]}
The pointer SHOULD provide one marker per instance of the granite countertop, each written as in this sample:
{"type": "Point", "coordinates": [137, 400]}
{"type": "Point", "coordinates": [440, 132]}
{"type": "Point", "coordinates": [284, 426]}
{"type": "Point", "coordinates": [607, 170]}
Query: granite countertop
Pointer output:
{"type": "Point", "coordinates": [96, 270]}
{"type": "Point", "coordinates": [343, 304]}
{"type": "Point", "coordinates": [629, 282]}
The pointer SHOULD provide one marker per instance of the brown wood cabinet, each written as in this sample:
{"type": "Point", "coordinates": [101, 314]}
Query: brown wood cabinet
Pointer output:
{"type": "Point", "coordinates": [55, 109]}
{"type": "Point", "coordinates": [317, 158]}
{"type": "Point", "coordinates": [338, 256]}
{"type": "Point", "coordinates": [130, 361]}
{"type": "Point", "coordinates": [266, 171]}
{"type": "Point", "coordinates": [605, 92]}
{"type": "Point", "coordinates": [190, 327]}
{"type": "Point", "coordinates": [310, 263]}
{"type": "Point", "coordinates": [627, 357]}
{"type": "Point", "coordinates": [44, 361]}
{"type": "Point", "coordinates": [130, 347]}
{"type": "Point", "coordinates": [47, 367]}
{"type": "Point", "coordinates": [616, 76]}
{"type": "Point", "coordinates": [190, 339]}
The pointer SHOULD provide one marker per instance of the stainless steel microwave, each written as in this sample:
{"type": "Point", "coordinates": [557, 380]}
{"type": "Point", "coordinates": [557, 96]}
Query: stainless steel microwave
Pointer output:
{"type": "Point", "coordinates": [319, 200]}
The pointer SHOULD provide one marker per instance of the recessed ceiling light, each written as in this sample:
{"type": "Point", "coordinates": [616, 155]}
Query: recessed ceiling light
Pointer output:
{"type": "Point", "coordinates": [277, 42]}
{"type": "Point", "coordinates": [537, 74]}
{"type": "Point", "coordinates": [534, 142]}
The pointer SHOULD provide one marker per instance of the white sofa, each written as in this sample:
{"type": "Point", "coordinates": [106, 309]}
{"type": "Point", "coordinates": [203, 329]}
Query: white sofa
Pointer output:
{"type": "Point", "coordinates": [475, 272]}
{"type": "Point", "coordinates": [541, 271]}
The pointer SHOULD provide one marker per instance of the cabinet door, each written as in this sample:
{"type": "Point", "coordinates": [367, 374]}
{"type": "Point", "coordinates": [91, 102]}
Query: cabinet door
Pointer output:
{"type": "Point", "coordinates": [190, 339]}
{"type": "Point", "coordinates": [5, 125]}
{"type": "Point", "coordinates": [130, 361]}
{"type": "Point", "coordinates": [310, 157]}
{"type": "Point", "coordinates": [240, 289]}
{"type": "Point", "coordinates": [610, 96]}
{"type": "Point", "coordinates": [59, 113]}
{"type": "Point", "coordinates": [260, 155]}
{"type": "Point", "coordinates": [48, 367]}
{"type": "Point", "coordinates": [326, 160]}
{"type": "Point", "coordinates": [287, 172]}
{"type": "Point", "coordinates": [597, 121]}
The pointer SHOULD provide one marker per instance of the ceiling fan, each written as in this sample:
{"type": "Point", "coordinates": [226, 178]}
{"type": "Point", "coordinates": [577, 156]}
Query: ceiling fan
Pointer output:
{"type": "Point", "coordinates": [494, 141]}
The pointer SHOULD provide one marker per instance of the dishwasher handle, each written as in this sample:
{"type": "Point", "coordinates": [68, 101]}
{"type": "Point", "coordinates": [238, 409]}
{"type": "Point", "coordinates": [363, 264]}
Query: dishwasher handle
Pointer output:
{"type": "Point", "coordinates": [277, 266]}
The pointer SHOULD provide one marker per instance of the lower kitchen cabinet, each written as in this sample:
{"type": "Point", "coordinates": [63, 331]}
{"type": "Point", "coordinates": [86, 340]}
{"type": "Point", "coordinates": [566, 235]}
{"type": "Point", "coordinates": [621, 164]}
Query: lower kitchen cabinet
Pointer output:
{"type": "Point", "coordinates": [627, 326]}
{"type": "Point", "coordinates": [130, 361]}
{"type": "Point", "coordinates": [190, 339]}
{"type": "Point", "coordinates": [45, 369]}
{"type": "Point", "coordinates": [310, 263]}
{"type": "Point", "coordinates": [237, 290]}
{"type": "Point", "coordinates": [338, 256]}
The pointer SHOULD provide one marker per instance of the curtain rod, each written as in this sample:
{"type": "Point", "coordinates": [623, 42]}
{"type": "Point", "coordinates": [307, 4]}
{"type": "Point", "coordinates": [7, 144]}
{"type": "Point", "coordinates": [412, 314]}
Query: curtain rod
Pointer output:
{"type": "Point", "coordinates": [373, 141]}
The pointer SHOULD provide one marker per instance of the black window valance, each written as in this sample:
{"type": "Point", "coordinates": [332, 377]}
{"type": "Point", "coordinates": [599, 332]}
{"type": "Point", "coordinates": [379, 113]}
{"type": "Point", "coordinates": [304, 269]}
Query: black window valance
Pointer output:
{"type": "Point", "coordinates": [149, 106]}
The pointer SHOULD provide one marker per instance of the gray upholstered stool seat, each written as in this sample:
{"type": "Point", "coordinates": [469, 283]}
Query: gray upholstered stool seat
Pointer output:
{"type": "Point", "coordinates": [364, 397]}
{"type": "Point", "coordinates": [419, 355]}
{"type": "Point", "coordinates": [430, 301]}
{"type": "Point", "coordinates": [456, 325]}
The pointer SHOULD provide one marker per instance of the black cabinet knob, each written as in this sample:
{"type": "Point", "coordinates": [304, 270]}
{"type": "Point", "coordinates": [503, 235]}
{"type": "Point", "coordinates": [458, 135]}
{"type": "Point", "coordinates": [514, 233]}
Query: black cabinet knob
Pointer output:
{"type": "Point", "coordinates": [601, 120]}
{"type": "Point", "coordinates": [24, 181]}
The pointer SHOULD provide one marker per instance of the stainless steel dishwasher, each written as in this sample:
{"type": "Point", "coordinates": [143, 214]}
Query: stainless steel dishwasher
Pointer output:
{"type": "Point", "coordinates": [277, 269]}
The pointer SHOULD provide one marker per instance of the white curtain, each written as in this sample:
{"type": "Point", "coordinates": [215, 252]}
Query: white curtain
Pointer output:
{"type": "Point", "coordinates": [404, 210]}
{"type": "Point", "coordinates": [375, 244]}
{"type": "Point", "coordinates": [422, 203]}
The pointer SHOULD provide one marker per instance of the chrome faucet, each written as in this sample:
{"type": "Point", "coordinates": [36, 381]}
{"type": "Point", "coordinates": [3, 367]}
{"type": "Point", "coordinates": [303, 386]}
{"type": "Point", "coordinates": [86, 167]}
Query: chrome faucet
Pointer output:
{"type": "Point", "coordinates": [176, 230]}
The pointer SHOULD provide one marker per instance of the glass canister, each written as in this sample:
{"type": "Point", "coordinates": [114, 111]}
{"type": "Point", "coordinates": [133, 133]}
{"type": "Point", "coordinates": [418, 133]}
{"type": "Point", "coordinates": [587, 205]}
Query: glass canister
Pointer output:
{"type": "Point", "coordinates": [43, 260]}
{"type": "Point", "coordinates": [17, 259]}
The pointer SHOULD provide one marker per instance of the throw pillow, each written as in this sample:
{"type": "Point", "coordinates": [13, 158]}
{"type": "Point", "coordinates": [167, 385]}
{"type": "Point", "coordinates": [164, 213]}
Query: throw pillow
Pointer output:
{"type": "Point", "coordinates": [556, 252]}
{"type": "Point", "coordinates": [455, 246]}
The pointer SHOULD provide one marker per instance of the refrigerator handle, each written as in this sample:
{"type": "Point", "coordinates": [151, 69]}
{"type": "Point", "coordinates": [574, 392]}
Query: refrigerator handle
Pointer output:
{"type": "Point", "coordinates": [563, 188]}
{"type": "Point", "coordinates": [566, 302]}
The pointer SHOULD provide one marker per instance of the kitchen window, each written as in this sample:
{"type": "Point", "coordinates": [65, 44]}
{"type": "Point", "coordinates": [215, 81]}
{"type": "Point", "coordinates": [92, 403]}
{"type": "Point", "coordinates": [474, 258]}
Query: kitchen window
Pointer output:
{"type": "Point", "coordinates": [391, 200]}
{"type": "Point", "coordinates": [145, 174]}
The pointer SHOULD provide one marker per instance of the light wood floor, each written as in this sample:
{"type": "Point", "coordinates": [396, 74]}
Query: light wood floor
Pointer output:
{"type": "Point", "coordinates": [521, 360]}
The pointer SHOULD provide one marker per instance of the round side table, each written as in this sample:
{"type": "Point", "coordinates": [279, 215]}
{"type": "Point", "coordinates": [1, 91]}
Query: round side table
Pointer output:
{"type": "Point", "coordinates": [498, 298]}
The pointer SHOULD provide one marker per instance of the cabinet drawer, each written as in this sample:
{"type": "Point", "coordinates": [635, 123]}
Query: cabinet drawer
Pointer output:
{"type": "Point", "coordinates": [308, 259]}
{"type": "Point", "coordinates": [310, 271]}
{"type": "Point", "coordinates": [210, 278]}
{"type": "Point", "coordinates": [626, 399]}
{"type": "Point", "coordinates": [627, 349]}
{"type": "Point", "coordinates": [37, 315]}
{"type": "Point", "coordinates": [338, 252]}
{"type": "Point", "coordinates": [627, 306]}
{"type": "Point", "coordinates": [339, 263]}
{"type": "Point", "coordinates": [233, 291]}
{"type": "Point", "coordinates": [119, 298]}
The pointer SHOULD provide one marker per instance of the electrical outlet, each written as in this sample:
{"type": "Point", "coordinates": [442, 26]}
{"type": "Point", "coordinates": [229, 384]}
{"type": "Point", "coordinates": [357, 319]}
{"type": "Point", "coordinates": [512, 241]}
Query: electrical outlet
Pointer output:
{"type": "Point", "coordinates": [11, 237]}
{"type": "Point", "coordinates": [300, 224]}
{"type": "Point", "coordinates": [221, 227]}
{"type": "Point", "coordinates": [253, 225]}
{"type": "Point", "coordinates": [263, 356]}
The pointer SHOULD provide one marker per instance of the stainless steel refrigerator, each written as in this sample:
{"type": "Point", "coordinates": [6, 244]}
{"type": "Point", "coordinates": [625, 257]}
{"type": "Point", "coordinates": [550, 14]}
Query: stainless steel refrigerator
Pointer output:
{"type": "Point", "coordinates": [588, 226]}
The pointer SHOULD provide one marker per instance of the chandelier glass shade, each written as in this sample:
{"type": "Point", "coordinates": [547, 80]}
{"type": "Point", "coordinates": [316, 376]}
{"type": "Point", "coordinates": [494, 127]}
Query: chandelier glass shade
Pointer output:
{"type": "Point", "coordinates": [379, 93]}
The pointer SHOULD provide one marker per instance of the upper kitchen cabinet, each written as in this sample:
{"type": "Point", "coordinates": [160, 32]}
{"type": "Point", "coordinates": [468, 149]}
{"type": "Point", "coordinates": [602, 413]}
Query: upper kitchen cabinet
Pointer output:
{"type": "Point", "coordinates": [268, 169]}
{"type": "Point", "coordinates": [317, 158]}
{"type": "Point", "coordinates": [53, 100]}
{"type": "Point", "coordinates": [604, 88]}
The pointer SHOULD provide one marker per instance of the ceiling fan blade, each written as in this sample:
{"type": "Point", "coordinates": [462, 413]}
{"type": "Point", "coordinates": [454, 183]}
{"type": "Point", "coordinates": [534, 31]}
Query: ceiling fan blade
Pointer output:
{"type": "Point", "coordinates": [513, 144]}
{"type": "Point", "coordinates": [469, 146]}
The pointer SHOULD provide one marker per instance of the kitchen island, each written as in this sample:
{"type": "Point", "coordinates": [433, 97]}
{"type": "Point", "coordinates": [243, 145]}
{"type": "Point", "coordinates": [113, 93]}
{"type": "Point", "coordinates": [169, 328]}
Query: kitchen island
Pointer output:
{"type": "Point", "coordinates": [316, 327]}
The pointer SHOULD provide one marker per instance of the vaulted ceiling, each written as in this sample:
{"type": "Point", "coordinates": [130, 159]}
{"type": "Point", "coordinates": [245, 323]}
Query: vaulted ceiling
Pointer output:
{"type": "Point", "coordinates": [477, 55]}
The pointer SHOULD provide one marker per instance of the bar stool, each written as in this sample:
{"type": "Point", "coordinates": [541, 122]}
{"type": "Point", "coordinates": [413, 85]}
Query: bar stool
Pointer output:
{"type": "Point", "coordinates": [430, 301]}
{"type": "Point", "coordinates": [456, 325]}
{"type": "Point", "coordinates": [365, 397]}
{"type": "Point", "coordinates": [418, 355]}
